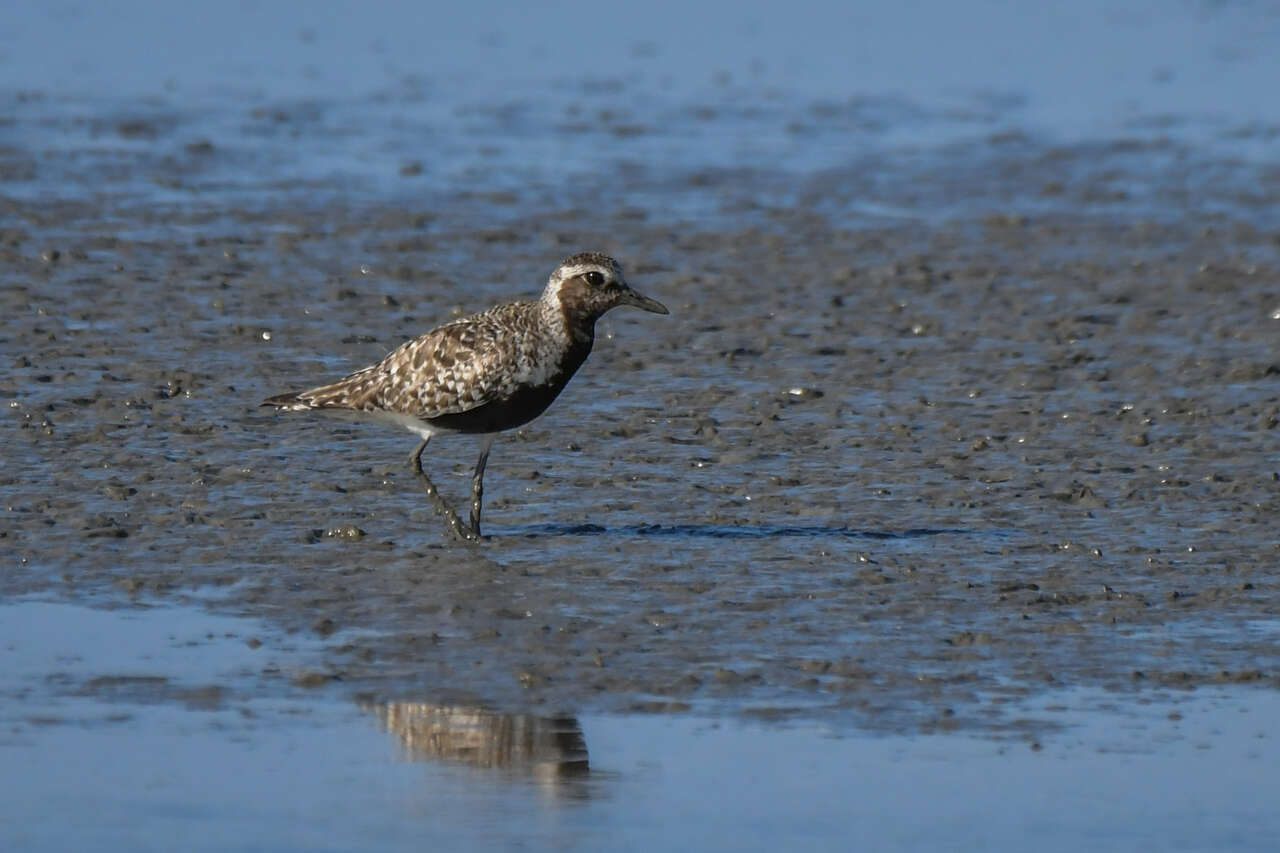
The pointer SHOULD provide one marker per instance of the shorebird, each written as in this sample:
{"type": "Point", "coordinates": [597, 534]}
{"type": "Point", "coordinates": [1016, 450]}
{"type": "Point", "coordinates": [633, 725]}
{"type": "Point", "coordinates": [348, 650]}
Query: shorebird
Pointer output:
{"type": "Point", "coordinates": [483, 373]}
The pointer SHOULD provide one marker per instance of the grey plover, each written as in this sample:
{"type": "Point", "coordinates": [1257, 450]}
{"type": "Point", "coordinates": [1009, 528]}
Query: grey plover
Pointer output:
{"type": "Point", "coordinates": [484, 373]}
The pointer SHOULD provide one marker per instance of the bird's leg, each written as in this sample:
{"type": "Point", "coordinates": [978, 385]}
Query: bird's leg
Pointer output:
{"type": "Point", "coordinates": [477, 485]}
{"type": "Point", "coordinates": [415, 458]}
{"type": "Point", "coordinates": [456, 527]}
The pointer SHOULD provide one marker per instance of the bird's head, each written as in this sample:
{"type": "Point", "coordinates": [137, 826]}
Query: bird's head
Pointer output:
{"type": "Point", "coordinates": [588, 284]}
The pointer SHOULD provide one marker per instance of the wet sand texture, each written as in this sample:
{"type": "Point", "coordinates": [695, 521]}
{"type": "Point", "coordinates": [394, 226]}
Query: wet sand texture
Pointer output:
{"type": "Point", "coordinates": [902, 468]}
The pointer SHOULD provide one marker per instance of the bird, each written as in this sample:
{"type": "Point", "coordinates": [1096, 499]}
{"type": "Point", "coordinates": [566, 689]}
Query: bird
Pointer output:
{"type": "Point", "coordinates": [483, 373]}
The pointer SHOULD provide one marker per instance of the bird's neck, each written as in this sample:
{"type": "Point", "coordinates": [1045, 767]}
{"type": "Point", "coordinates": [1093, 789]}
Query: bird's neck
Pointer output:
{"type": "Point", "coordinates": [574, 327]}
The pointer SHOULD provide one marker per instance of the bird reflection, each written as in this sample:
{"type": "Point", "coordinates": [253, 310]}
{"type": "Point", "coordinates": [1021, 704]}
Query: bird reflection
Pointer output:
{"type": "Point", "coordinates": [548, 749]}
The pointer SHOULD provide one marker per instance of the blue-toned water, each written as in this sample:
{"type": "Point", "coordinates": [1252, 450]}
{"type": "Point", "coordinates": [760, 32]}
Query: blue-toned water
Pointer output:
{"type": "Point", "coordinates": [1091, 69]}
{"type": "Point", "coordinates": [115, 738]}
{"type": "Point", "coordinates": [546, 104]}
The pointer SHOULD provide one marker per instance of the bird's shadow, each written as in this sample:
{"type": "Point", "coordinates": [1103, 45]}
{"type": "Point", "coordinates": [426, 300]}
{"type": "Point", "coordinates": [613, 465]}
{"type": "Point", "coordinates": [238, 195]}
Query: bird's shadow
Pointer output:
{"type": "Point", "coordinates": [719, 531]}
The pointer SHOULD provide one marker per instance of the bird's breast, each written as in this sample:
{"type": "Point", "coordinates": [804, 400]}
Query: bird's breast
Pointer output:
{"type": "Point", "coordinates": [528, 395]}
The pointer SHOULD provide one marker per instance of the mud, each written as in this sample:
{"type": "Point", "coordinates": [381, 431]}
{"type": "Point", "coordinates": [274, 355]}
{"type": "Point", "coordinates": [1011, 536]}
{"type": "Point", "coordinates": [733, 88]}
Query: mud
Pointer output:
{"type": "Point", "coordinates": [922, 436]}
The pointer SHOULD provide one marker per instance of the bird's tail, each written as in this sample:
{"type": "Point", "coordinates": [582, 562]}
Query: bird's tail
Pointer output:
{"type": "Point", "coordinates": [352, 392]}
{"type": "Point", "coordinates": [294, 401]}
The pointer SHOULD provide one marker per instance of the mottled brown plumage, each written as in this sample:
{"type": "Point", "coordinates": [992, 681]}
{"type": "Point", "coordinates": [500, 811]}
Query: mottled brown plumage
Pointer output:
{"type": "Point", "coordinates": [488, 372]}
{"type": "Point", "coordinates": [455, 369]}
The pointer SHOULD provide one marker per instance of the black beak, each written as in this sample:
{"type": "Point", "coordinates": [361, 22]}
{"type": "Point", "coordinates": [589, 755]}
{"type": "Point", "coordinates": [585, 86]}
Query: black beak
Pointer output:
{"type": "Point", "coordinates": [630, 297]}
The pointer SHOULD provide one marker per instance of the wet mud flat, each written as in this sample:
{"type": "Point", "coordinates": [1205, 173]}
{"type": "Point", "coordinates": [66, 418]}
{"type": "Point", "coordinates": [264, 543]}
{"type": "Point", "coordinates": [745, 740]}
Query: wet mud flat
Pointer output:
{"type": "Point", "coordinates": [902, 470]}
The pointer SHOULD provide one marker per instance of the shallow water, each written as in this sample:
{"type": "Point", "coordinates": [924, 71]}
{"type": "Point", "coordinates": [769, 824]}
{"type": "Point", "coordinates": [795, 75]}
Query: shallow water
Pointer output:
{"type": "Point", "coordinates": [962, 434]}
{"type": "Point", "coordinates": [158, 734]}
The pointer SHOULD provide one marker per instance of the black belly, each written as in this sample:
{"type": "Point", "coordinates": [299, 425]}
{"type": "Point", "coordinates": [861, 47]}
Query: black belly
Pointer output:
{"type": "Point", "coordinates": [524, 405]}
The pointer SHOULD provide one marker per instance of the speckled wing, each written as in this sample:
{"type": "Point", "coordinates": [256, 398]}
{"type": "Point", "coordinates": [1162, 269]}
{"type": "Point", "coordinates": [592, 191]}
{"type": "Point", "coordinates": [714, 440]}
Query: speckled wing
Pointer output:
{"type": "Point", "coordinates": [454, 368]}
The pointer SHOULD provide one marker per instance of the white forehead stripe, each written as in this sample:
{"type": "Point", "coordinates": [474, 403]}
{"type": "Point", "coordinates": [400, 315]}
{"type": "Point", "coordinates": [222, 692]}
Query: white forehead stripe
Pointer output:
{"type": "Point", "coordinates": [563, 273]}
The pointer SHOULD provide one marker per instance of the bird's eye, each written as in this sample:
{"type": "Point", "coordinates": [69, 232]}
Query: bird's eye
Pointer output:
{"type": "Point", "coordinates": [594, 278]}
